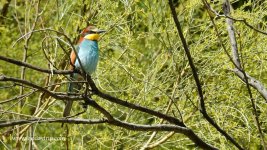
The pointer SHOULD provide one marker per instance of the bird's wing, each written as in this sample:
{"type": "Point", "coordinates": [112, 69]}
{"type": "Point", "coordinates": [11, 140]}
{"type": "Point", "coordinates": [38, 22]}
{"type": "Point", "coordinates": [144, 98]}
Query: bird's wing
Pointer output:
{"type": "Point", "coordinates": [73, 57]}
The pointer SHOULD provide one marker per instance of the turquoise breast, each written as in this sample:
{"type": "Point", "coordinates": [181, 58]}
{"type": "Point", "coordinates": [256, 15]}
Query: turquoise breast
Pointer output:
{"type": "Point", "coordinates": [88, 54]}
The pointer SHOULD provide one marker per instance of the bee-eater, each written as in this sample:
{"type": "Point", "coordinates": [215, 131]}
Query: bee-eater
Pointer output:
{"type": "Point", "coordinates": [87, 50]}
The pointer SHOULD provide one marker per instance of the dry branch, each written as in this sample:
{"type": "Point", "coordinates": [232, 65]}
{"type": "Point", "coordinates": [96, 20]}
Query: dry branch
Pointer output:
{"type": "Point", "coordinates": [252, 82]}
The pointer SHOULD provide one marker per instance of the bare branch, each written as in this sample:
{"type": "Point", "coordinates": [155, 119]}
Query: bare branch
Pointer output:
{"type": "Point", "coordinates": [8, 123]}
{"type": "Point", "coordinates": [232, 37]}
{"type": "Point", "coordinates": [20, 63]}
{"type": "Point", "coordinates": [116, 122]}
{"type": "Point", "coordinates": [163, 127]}
{"type": "Point", "coordinates": [53, 94]}
{"type": "Point", "coordinates": [253, 82]}
{"type": "Point", "coordinates": [110, 98]}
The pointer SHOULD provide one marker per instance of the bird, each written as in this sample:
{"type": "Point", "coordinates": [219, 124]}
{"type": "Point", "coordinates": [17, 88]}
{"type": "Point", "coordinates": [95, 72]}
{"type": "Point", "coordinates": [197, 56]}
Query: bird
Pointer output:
{"type": "Point", "coordinates": [87, 51]}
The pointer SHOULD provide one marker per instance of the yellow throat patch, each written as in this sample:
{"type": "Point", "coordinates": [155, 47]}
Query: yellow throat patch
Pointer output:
{"type": "Point", "coordinates": [92, 37]}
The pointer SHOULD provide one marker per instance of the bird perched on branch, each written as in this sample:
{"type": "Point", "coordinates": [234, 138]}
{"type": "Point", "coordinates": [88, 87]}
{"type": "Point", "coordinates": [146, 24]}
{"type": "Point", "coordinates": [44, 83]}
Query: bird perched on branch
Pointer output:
{"type": "Point", "coordinates": [87, 59]}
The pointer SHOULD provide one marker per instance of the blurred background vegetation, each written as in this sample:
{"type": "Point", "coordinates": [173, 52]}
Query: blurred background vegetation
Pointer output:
{"type": "Point", "coordinates": [141, 61]}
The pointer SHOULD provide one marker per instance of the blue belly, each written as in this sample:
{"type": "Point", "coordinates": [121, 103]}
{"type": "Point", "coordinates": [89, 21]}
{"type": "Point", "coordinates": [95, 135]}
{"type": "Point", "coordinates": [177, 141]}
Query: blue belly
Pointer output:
{"type": "Point", "coordinates": [88, 54]}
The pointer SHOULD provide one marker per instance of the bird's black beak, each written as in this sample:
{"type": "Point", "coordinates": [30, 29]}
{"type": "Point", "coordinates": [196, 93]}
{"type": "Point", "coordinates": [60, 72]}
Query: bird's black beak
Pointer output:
{"type": "Point", "coordinates": [98, 30]}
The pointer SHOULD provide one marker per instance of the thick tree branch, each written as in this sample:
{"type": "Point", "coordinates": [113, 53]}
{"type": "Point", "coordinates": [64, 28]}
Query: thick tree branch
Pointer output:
{"type": "Point", "coordinates": [256, 84]}
{"type": "Point", "coordinates": [93, 86]}
{"type": "Point", "coordinates": [162, 127]}
{"type": "Point", "coordinates": [115, 122]}
{"type": "Point", "coordinates": [133, 106]}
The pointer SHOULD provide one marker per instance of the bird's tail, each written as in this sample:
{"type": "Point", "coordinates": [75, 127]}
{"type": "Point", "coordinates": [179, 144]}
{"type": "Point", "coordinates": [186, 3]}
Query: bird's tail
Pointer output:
{"type": "Point", "coordinates": [69, 102]}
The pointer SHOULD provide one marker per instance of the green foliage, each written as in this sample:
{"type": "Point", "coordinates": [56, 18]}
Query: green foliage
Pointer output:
{"type": "Point", "coordinates": [141, 61]}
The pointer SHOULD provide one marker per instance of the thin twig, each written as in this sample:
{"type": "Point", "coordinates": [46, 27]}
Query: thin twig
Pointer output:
{"type": "Point", "coordinates": [235, 19]}
{"type": "Point", "coordinates": [20, 63]}
{"type": "Point", "coordinates": [17, 97]}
